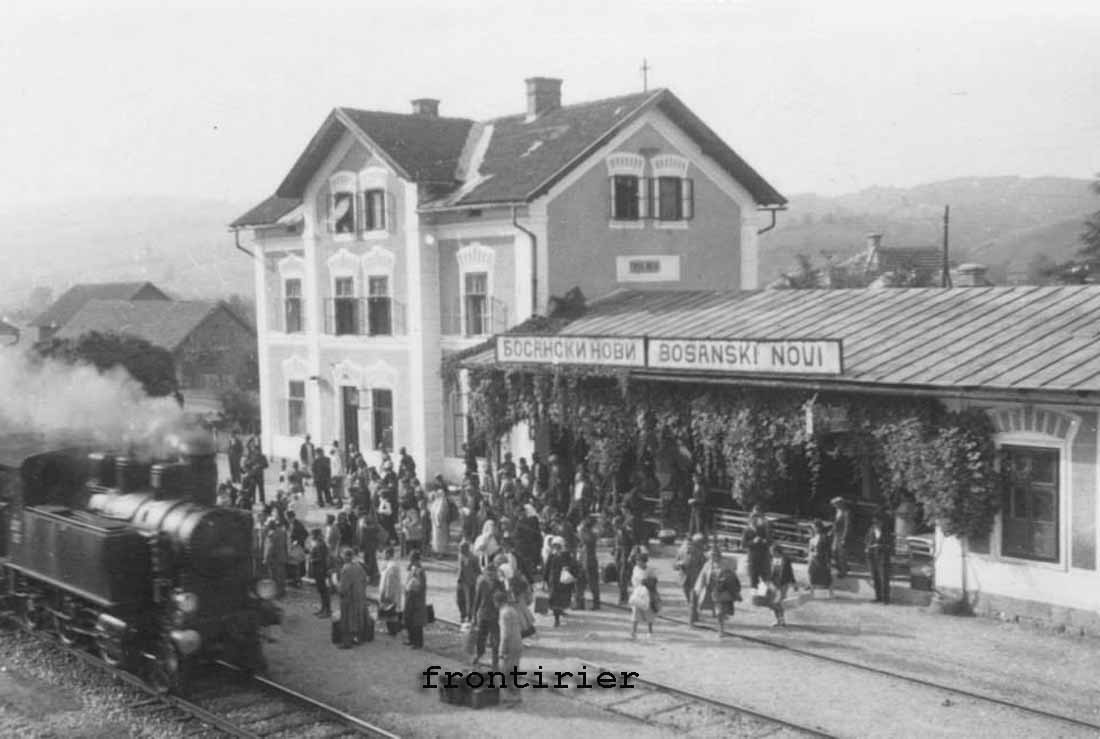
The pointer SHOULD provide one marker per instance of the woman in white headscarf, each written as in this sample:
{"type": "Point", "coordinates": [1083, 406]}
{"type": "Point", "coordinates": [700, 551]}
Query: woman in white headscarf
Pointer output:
{"type": "Point", "coordinates": [487, 545]}
{"type": "Point", "coordinates": [439, 510]}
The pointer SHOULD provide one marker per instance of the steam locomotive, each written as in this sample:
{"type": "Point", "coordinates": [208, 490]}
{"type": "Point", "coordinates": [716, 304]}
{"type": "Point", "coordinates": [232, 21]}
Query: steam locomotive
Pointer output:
{"type": "Point", "coordinates": [132, 559]}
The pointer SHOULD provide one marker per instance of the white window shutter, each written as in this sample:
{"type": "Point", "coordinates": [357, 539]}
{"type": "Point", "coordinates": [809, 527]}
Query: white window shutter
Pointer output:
{"type": "Point", "coordinates": [611, 198]}
{"type": "Point", "coordinates": [330, 220]}
{"type": "Point", "coordinates": [687, 192]}
{"type": "Point", "coordinates": [389, 212]}
{"type": "Point", "coordinates": [643, 197]}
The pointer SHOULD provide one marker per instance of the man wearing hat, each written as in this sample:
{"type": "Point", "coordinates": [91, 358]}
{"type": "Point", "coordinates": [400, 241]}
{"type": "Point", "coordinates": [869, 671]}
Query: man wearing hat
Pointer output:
{"type": "Point", "coordinates": [841, 526]}
{"type": "Point", "coordinates": [689, 563]}
{"type": "Point", "coordinates": [878, 547]}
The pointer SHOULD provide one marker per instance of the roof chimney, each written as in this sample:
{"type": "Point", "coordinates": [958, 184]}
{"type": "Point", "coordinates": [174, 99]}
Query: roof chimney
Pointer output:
{"type": "Point", "coordinates": [543, 95]}
{"type": "Point", "coordinates": [971, 275]}
{"type": "Point", "coordinates": [426, 107]}
{"type": "Point", "coordinates": [874, 241]}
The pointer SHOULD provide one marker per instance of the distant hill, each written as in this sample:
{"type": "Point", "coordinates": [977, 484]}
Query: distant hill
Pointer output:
{"type": "Point", "coordinates": [182, 245]}
{"type": "Point", "coordinates": [1011, 224]}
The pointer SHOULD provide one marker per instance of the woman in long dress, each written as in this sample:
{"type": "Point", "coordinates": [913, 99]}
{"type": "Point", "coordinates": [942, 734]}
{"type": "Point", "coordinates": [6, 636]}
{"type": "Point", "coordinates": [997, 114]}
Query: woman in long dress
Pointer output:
{"type": "Point", "coordinates": [416, 605]}
{"type": "Point", "coordinates": [820, 555]}
{"type": "Point", "coordinates": [718, 588]}
{"type": "Point", "coordinates": [441, 524]}
{"type": "Point", "coordinates": [486, 546]}
{"type": "Point", "coordinates": [353, 600]}
{"type": "Point", "coordinates": [391, 591]}
{"type": "Point", "coordinates": [644, 601]}
{"type": "Point", "coordinates": [559, 578]}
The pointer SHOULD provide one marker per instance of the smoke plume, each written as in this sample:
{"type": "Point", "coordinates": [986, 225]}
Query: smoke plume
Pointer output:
{"type": "Point", "coordinates": [79, 404]}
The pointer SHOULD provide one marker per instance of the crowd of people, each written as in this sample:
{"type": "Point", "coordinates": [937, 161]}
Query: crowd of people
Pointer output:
{"type": "Point", "coordinates": [528, 543]}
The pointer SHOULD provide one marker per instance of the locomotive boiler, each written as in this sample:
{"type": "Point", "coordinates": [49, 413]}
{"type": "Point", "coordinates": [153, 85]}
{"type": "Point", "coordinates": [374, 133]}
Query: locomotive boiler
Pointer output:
{"type": "Point", "coordinates": [134, 559]}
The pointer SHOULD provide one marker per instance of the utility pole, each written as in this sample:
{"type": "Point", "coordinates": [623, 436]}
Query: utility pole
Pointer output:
{"type": "Point", "coordinates": [945, 280]}
{"type": "Point", "coordinates": [645, 75]}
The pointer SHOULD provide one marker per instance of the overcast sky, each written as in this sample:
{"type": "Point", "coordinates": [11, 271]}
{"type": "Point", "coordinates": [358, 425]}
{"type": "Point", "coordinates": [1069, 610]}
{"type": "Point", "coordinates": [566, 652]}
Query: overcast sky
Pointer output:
{"type": "Point", "coordinates": [114, 99]}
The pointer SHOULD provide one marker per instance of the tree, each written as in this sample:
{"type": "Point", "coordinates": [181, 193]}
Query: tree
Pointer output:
{"type": "Point", "coordinates": [150, 365]}
{"type": "Point", "coordinates": [1086, 267]}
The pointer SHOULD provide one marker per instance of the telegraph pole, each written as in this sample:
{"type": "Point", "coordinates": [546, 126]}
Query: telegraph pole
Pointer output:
{"type": "Point", "coordinates": [945, 280]}
{"type": "Point", "coordinates": [645, 75]}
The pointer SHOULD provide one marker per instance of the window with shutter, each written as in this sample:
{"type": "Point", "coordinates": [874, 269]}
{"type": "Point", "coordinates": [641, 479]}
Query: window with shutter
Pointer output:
{"type": "Point", "coordinates": [374, 210]}
{"type": "Point", "coordinates": [627, 197]}
{"type": "Point", "coordinates": [670, 198]}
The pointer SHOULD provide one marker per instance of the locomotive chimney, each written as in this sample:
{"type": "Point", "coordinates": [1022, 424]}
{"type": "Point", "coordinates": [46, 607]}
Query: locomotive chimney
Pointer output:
{"type": "Point", "coordinates": [198, 455]}
{"type": "Point", "coordinates": [130, 474]}
{"type": "Point", "coordinates": [101, 469]}
{"type": "Point", "coordinates": [170, 479]}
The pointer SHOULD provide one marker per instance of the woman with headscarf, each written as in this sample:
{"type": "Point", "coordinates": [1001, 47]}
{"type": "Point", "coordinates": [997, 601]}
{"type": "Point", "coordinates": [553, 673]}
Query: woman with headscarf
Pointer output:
{"type": "Point", "coordinates": [486, 546]}
{"type": "Point", "coordinates": [353, 600]}
{"type": "Point", "coordinates": [644, 601]}
{"type": "Point", "coordinates": [718, 588]}
{"type": "Point", "coordinates": [416, 604]}
{"type": "Point", "coordinates": [391, 593]}
{"type": "Point", "coordinates": [559, 578]}
{"type": "Point", "coordinates": [439, 508]}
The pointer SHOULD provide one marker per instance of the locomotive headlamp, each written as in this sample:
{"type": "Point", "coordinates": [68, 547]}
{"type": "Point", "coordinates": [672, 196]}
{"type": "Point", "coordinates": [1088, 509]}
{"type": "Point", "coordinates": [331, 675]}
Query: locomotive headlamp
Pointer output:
{"type": "Point", "coordinates": [186, 602]}
{"type": "Point", "coordinates": [266, 589]}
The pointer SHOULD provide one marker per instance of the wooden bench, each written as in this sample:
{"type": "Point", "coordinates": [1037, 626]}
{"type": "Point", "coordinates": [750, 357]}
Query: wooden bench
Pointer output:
{"type": "Point", "coordinates": [790, 534]}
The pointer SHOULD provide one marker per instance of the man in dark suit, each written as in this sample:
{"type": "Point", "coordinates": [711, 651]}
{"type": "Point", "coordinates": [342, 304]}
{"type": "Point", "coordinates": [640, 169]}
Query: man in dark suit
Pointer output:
{"type": "Point", "coordinates": [322, 479]}
{"type": "Point", "coordinates": [318, 570]}
{"type": "Point", "coordinates": [878, 546]}
{"type": "Point", "coordinates": [235, 452]}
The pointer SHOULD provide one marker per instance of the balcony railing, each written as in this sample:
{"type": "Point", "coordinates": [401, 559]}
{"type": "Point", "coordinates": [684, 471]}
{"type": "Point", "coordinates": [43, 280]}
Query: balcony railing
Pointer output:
{"type": "Point", "coordinates": [364, 317]}
{"type": "Point", "coordinates": [476, 318]}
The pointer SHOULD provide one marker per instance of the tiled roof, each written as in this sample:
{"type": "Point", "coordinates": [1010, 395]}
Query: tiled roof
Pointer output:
{"type": "Point", "coordinates": [1022, 338]}
{"type": "Point", "coordinates": [73, 299]}
{"type": "Point", "coordinates": [267, 212]}
{"type": "Point", "coordinates": [521, 160]}
{"type": "Point", "coordinates": [163, 323]}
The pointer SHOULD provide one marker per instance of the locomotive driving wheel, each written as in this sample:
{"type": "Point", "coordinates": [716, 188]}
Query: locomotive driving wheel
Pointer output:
{"type": "Point", "coordinates": [31, 614]}
{"type": "Point", "coordinates": [63, 622]}
{"type": "Point", "coordinates": [166, 671]}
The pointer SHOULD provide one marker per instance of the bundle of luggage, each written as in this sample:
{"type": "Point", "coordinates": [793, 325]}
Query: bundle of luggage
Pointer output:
{"type": "Point", "coordinates": [463, 695]}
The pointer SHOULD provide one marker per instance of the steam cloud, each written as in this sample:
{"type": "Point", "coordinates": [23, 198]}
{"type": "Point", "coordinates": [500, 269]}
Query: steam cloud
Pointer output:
{"type": "Point", "coordinates": [80, 404]}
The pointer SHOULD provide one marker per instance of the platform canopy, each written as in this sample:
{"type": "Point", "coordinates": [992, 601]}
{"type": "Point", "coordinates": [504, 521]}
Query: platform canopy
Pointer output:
{"type": "Point", "coordinates": [1011, 341]}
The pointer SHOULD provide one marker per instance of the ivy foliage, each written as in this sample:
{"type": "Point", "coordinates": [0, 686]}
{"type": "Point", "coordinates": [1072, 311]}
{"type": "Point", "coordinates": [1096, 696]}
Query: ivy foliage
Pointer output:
{"type": "Point", "coordinates": [756, 442]}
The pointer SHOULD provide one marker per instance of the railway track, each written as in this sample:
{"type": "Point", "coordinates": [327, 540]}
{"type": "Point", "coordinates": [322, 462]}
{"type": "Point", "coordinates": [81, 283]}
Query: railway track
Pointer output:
{"type": "Point", "coordinates": [662, 706]}
{"type": "Point", "coordinates": [226, 702]}
{"type": "Point", "coordinates": [911, 679]}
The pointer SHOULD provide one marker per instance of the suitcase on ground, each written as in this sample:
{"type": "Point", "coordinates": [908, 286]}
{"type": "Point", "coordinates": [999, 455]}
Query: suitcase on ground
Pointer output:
{"type": "Point", "coordinates": [487, 695]}
{"type": "Point", "coordinates": [542, 603]}
{"type": "Point", "coordinates": [610, 573]}
{"type": "Point", "coordinates": [431, 614]}
{"type": "Point", "coordinates": [456, 696]}
{"type": "Point", "coordinates": [394, 624]}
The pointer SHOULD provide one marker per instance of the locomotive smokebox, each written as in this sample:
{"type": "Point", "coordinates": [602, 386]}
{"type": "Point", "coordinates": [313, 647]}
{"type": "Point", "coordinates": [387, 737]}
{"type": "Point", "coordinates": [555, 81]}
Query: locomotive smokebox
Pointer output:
{"type": "Point", "coordinates": [198, 453]}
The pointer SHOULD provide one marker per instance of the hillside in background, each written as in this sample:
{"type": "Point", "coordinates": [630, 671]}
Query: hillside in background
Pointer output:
{"type": "Point", "coordinates": [1011, 224]}
{"type": "Point", "coordinates": [182, 245]}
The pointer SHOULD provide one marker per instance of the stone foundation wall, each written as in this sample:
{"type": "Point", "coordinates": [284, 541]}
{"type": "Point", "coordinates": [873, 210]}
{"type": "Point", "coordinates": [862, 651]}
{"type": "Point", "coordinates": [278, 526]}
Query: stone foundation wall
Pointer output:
{"type": "Point", "coordinates": [1059, 619]}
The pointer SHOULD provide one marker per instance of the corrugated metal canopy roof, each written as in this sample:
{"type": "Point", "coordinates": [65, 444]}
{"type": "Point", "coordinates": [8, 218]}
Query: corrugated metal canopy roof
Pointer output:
{"type": "Point", "coordinates": [1003, 338]}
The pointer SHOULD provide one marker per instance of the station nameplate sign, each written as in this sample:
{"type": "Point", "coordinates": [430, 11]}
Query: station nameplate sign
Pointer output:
{"type": "Point", "coordinates": [617, 352]}
{"type": "Point", "coordinates": [809, 357]}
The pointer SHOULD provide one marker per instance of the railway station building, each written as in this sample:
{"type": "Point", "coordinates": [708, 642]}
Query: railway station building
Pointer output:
{"type": "Point", "coordinates": [397, 240]}
{"type": "Point", "coordinates": [973, 408]}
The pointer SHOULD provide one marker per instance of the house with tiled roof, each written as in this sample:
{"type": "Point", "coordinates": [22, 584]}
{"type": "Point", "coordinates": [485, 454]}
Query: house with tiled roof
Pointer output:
{"type": "Point", "coordinates": [72, 300]}
{"type": "Point", "coordinates": [212, 346]}
{"type": "Point", "coordinates": [395, 240]}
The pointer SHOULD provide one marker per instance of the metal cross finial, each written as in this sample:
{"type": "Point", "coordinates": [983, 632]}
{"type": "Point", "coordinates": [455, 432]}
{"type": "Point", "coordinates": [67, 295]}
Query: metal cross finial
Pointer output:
{"type": "Point", "coordinates": [645, 75]}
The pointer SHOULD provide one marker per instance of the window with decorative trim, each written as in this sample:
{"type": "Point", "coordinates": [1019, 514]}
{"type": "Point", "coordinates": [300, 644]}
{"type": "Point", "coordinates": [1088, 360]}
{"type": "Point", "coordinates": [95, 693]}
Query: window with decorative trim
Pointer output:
{"type": "Point", "coordinates": [379, 306]}
{"type": "Point", "coordinates": [476, 303]}
{"type": "Point", "coordinates": [341, 206]}
{"type": "Point", "coordinates": [1030, 520]}
{"type": "Point", "coordinates": [629, 187]}
{"type": "Point", "coordinates": [381, 410]}
{"type": "Point", "coordinates": [345, 306]}
{"type": "Point", "coordinates": [675, 191]}
{"type": "Point", "coordinates": [292, 305]}
{"type": "Point", "coordinates": [296, 408]}
{"type": "Point", "coordinates": [374, 210]}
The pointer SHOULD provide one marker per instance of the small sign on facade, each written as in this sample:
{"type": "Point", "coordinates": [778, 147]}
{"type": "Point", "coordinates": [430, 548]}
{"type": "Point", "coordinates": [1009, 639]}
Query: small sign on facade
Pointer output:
{"type": "Point", "coordinates": [585, 350]}
{"type": "Point", "coordinates": [808, 357]}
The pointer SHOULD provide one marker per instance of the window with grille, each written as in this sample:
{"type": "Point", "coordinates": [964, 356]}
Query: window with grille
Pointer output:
{"type": "Point", "coordinates": [296, 408]}
{"type": "Point", "coordinates": [675, 199]}
{"type": "Point", "coordinates": [379, 306]}
{"type": "Point", "coordinates": [1029, 517]}
{"type": "Point", "coordinates": [292, 306]}
{"type": "Point", "coordinates": [477, 303]}
{"type": "Point", "coordinates": [374, 210]}
{"type": "Point", "coordinates": [346, 313]}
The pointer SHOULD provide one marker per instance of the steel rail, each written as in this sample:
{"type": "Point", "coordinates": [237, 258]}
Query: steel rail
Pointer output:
{"type": "Point", "coordinates": [859, 666]}
{"type": "Point", "coordinates": [689, 696]}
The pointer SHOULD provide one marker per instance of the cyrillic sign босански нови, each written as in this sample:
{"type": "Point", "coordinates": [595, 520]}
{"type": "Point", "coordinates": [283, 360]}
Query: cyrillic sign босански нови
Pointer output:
{"type": "Point", "coordinates": [765, 356]}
